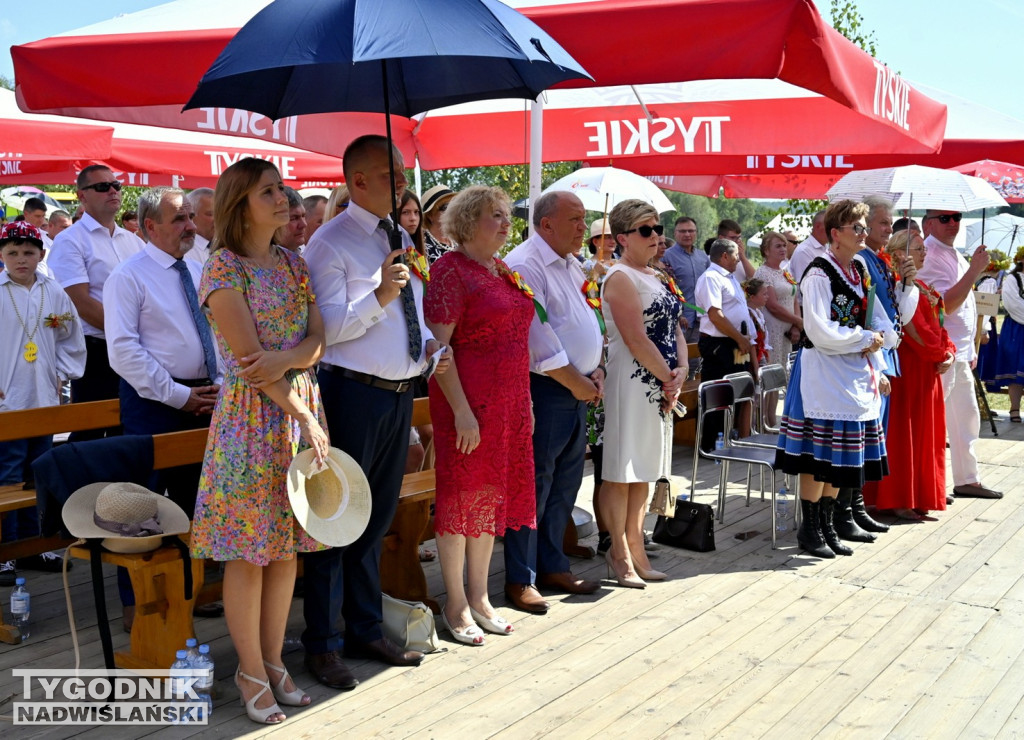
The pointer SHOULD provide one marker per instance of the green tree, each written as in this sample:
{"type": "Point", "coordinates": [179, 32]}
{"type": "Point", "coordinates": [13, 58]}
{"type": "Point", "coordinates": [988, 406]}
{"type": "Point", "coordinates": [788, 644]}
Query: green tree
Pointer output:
{"type": "Point", "coordinates": [6, 82]}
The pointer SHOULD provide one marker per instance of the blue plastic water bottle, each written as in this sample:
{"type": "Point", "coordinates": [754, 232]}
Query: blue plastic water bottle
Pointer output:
{"type": "Point", "coordinates": [203, 670]}
{"type": "Point", "coordinates": [21, 608]}
{"type": "Point", "coordinates": [719, 445]}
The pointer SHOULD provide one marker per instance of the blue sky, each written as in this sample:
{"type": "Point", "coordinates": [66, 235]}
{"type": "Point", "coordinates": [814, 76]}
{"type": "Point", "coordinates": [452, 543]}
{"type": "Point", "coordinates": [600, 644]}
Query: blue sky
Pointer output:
{"type": "Point", "coordinates": [969, 49]}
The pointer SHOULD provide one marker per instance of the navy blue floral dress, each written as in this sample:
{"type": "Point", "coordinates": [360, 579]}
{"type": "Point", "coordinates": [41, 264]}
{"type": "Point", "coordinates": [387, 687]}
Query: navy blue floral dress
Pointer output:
{"type": "Point", "coordinates": [633, 417]}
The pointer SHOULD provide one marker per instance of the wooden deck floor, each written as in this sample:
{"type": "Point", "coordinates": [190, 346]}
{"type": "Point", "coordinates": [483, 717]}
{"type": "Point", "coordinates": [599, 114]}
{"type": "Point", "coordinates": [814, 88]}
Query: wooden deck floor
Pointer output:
{"type": "Point", "coordinates": [916, 636]}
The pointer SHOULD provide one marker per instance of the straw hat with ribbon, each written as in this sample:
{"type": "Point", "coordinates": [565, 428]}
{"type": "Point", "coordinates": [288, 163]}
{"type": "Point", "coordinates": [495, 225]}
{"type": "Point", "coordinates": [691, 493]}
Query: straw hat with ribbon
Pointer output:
{"type": "Point", "coordinates": [128, 517]}
{"type": "Point", "coordinates": [332, 503]}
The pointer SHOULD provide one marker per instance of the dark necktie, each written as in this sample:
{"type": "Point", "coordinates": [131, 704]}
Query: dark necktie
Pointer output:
{"type": "Point", "coordinates": [412, 321]}
{"type": "Point", "coordinates": [209, 356]}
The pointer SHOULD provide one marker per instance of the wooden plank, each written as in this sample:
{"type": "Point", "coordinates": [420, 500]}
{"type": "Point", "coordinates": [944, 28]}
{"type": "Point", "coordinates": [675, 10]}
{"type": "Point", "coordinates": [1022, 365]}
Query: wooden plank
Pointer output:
{"type": "Point", "coordinates": [179, 448]}
{"type": "Point", "coordinates": [69, 417]}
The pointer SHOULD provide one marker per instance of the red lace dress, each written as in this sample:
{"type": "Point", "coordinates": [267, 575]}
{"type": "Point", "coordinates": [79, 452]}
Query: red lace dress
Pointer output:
{"type": "Point", "coordinates": [492, 488]}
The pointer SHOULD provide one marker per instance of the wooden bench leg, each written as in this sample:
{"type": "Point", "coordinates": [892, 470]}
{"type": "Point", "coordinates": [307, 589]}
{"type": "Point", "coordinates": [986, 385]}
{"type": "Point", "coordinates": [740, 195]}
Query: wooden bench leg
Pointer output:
{"type": "Point", "coordinates": [163, 618]}
{"type": "Point", "coordinates": [401, 574]}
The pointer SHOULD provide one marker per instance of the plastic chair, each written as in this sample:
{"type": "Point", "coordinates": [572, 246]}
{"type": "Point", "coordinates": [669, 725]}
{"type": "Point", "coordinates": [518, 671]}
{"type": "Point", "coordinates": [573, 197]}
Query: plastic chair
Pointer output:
{"type": "Point", "coordinates": [717, 395]}
{"type": "Point", "coordinates": [773, 379]}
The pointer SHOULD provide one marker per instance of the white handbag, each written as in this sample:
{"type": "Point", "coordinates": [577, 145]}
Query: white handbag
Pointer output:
{"type": "Point", "coordinates": [409, 624]}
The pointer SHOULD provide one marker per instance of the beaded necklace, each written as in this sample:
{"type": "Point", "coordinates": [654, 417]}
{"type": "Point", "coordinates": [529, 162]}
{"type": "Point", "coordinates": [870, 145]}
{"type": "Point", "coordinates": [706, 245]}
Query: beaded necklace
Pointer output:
{"type": "Point", "coordinates": [31, 348]}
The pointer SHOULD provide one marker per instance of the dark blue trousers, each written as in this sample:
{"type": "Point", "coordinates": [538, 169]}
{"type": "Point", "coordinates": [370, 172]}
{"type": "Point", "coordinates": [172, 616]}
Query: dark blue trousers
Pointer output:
{"type": "Point", "coordinates": [372, 425]}
{"type": "Point", "coordinates": [559, 448]}
{"type": "Point", "coordinates": [143, 416]}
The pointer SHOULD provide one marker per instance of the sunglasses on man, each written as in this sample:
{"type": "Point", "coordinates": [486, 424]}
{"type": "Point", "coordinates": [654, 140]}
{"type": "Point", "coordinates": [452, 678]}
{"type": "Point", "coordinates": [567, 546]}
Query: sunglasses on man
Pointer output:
{"type": "Point", "coordinates": [945, 218]}
{"type": "Point", "coordinates": [646, 231]}
{"type": "Point", "coordinates": [103, 187]}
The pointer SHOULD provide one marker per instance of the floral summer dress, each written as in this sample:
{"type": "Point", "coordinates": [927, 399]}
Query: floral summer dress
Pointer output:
{"type": "Point", "coordinates": [242, 511]}
{"type": "Point", "coordinates": [632, 394]}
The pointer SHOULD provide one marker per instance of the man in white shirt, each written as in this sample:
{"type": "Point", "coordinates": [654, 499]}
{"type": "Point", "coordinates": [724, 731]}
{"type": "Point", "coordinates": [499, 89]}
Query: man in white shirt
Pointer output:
{"type": "Point", "coordinates": [153, 340]}
{"type": "Point", "coordinates": [813, 246]}
{"type": "Point", "coordinates": [726, 329]}
{"type": "Point", "coordinates": [202, 206]}
{"type": "Point", "coordinates": [83, 257]}
{"type": "Point", "coordinates": [292, 236]}
{"type": "Point", "coordinates": [565, 359]}
{"type": "Point", "coordinates": [952, 276]}
{"type": "Point", "coordinates": [377, 345]}
{"type": "Point", "coordinates": [315, 206]}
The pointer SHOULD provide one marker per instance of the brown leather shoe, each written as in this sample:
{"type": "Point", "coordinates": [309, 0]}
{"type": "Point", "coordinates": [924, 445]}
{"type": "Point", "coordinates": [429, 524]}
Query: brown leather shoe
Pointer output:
{"type": "Point", "coordinates": [567, 583]}
{"type": "Point", "coordinates": [328, 669]}
{"type": "Point", "coordinates": [525, 597]}
{"type": "Point", "coordinates": [384, 651]}
{"type": "Point", "coordinates": [975, 490]}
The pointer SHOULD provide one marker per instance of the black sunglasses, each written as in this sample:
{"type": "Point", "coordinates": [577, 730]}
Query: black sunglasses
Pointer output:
{"type": "Point", "coordinates": [103, 187]}
{"type": "Point", "coordinates": [794, 242]}
{"type": "Point", "coordinates": [945, 218]}
{"type": "Point", "coordinates": [646, 231]}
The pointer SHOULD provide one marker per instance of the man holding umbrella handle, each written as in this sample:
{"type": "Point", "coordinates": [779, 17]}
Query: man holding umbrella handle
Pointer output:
{"type": "Point", "coordinates": [377, 345]}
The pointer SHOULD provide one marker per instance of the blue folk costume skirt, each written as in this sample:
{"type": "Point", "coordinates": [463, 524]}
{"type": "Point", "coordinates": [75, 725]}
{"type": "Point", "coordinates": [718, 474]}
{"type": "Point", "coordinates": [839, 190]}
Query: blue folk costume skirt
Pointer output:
{"type": "Point", "coordinates": [1010, 366]}
{"type": "Point", "coordinates": [843, 454]}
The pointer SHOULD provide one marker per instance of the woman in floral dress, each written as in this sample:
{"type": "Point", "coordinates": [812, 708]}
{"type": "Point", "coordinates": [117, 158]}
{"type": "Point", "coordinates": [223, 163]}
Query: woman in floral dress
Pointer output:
{"type": "Point", "coordinates": [645, 344]}
{"type": "Point", "coordinates": [270, 334]}
{"type": "Point", "coordinates": [781, 319]}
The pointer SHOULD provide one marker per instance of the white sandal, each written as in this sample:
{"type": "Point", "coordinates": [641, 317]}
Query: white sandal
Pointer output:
{"type": "Point", "coordinates": [296, 698]}
{"type": "Point", "coordinates": [471, 635]}
{"type": "Point", "coordinates": [259, 715]}
{"type": "Point", "coordinates": [497, 625]}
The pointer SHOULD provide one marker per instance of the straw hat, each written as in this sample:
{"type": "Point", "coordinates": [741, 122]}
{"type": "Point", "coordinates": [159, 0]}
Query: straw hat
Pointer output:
{"type": "Point", "coordinates": [332, 504]}
{"type": "Point", "coordinates": [599, 227]}
{"type": "Point", "coordinates": [435, 195]}
{"type": "Point", "coordinates": [128, 517]}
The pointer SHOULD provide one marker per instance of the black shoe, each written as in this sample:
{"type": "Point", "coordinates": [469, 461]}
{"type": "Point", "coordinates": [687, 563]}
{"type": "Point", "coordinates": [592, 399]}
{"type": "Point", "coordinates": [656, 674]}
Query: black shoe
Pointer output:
{"type": "Point", "coordinates": [604, 542]}
{"type": "Point", "coordinates": [649, 545]}
{"type": "Point", "coordinates": [828, 529]}
{"type": "Point", "coordinates": [809, 535]}
{"type": "Point", "coordinates": [845, 526]}
{"type": "Point", "coordinates": [48, 562]}
{"type": "Point", "coordinates": [860, 514]}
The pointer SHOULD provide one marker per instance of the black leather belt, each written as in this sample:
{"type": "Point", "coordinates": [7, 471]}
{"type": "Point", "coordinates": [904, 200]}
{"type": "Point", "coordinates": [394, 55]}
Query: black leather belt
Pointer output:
{"type": "Point", "coordinates": [397, 386]}
{"type": "Point", "coordinates": [192, 383]}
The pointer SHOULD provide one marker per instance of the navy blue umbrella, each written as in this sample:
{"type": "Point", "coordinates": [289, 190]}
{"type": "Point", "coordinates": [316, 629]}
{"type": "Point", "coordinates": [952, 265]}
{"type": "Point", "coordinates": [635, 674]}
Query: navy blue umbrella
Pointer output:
{"type": "Point", "coordinates": [386, 56]}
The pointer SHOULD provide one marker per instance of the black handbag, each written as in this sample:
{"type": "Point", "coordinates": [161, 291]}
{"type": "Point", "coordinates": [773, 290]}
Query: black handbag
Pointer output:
{"type": "Point", "coordinates": [692, 528]}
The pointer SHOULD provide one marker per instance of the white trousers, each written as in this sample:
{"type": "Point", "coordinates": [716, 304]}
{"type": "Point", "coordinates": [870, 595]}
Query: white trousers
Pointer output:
{"type": "Point", "coordinates": [963, 422]}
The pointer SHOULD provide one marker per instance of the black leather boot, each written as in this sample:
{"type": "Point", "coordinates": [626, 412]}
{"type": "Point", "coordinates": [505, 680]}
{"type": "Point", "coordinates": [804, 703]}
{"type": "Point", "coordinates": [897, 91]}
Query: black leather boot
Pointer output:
{"type": "Point", "coordinates": [846, 527]}
{"type": "Point", "coordinates": [860, 514]}
{"type": "Point", "coordinates": [828, 529]}
{"type": "Point", "coordinates": [809, 535]}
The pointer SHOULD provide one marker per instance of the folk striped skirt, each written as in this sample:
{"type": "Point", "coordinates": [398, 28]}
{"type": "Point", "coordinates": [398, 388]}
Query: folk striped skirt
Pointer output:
{"type": "Point", "coordinates": [843, 454]}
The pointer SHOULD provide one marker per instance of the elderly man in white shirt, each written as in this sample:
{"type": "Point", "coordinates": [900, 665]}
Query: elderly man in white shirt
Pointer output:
{"type": "Point", "coordinates": [813, 246]}
{"type": "Point", "coordinates": [377, 345]}
{"type": "Point", "coordinates": [157, 340]}
{"type": "Point", "coordinates": [954, 277]}
{"type": "Point", "coordinates": [83, 257]}
{"type": "Point", "coordinates": [566, 375]}
{"type": "Point", "coordinates": [725, 330]}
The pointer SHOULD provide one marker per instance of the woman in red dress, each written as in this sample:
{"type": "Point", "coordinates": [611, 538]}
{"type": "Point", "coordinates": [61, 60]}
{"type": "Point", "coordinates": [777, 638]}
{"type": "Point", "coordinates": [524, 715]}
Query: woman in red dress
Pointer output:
{"type": "Point", "coordinates": [916, 439]}
{"type": "Point", "coordinates": [480, 407]}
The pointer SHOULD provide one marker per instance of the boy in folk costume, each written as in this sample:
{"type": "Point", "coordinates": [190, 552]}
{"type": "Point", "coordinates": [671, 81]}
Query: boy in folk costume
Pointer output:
{"type": "Point", "coordinates": [41, 347]}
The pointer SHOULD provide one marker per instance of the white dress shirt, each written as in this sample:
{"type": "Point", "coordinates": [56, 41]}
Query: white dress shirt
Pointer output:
{"type": "Point", "coordinates": [942, 269]}
{"type": "Point", "coordinates": [1013, 302]}
{"type": "Point", "coordinates": [345, 257]}
{"type": "Point", "coordinates": [571, 335]}
{"type": "Point", "coordinates": [803, 255]}
{"type": "Point", "coordinates": [60, 351]}
{"type": "Point", "coordinates": [151, 335]}
{"type": "Point", "coordinates": [86, 252]}
{"type": "Point", "coordinates": [718, 288]}
{"type": "Point", "coordinates": [200, 251]}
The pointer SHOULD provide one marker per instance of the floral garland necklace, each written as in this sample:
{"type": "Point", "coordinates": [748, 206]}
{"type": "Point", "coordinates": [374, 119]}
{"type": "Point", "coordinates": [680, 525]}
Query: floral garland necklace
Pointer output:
{"type": "Point", "coordinates": [670, 284]}
{"type": "Point", "coordinates": [519, 284]}
{"type": "Point", "coordinates": [935, 301]}
{"type": "Point", "coordinates": [418, 264]}
{"type": "Point", "coordinates": [592, 294]}
{"type": "Point", "coordinates": [31, 348]}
